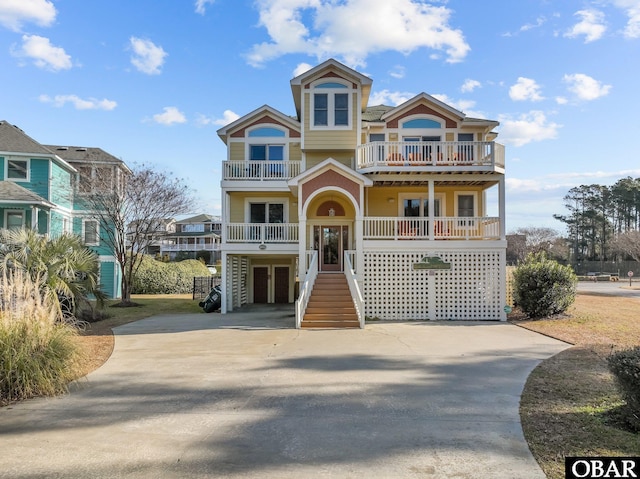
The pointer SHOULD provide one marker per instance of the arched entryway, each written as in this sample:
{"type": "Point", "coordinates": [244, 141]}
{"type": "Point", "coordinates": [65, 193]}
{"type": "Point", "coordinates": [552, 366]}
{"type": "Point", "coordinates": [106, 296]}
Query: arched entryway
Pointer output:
{"type": "Point", "coordinates": [330, 220]}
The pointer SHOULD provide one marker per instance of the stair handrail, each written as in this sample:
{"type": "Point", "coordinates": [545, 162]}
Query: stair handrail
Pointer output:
{"type": "Point", "coordinates": [354, 288]}
{"type": "Point", "coordinates": [305, 289]}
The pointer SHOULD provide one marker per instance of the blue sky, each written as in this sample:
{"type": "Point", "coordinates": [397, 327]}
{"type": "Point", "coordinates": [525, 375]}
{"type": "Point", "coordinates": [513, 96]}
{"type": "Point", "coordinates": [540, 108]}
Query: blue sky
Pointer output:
{"type": "Point", "coordinates": [150, 81]}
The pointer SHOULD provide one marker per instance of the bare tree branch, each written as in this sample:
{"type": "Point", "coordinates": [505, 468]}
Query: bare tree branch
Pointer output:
{"type": "Point", "coordinates": [130, 208]}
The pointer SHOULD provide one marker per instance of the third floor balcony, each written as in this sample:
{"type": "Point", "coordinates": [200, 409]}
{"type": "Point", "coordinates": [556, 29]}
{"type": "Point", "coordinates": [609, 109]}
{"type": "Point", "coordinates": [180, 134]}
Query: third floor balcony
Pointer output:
{"type": "Point", "coordinates": [430, 156]}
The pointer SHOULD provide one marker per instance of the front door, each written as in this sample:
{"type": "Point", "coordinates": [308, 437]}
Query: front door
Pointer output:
{"type": "Point", "coordinates": [332, 241]}
{"type": "Point", "coordinates": [260, 284]}
{"type": "Point", "coordinates": [281, 294]}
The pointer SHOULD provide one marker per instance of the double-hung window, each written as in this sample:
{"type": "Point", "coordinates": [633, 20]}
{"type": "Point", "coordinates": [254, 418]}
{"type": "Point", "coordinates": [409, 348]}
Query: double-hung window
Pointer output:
{"type": "Point", "coordinates": [466, 208]}
{"type": "Point", "coordinates": [14, 220]}
{"type": "Point", "coordinates": [267, 144]}
{"type": "Point", "coordinates": [331, 106]}
{"type": "Point", "coordinates": [90, 232]}
{"type": "Point", "coordinates": [17, 170]}
{"type": "Point", "coordinates": [266, 213]}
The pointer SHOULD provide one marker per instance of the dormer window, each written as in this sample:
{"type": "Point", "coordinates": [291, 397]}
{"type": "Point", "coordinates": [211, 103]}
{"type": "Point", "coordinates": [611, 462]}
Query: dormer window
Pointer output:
{"type": "Point", "coordinates": [331, 105]}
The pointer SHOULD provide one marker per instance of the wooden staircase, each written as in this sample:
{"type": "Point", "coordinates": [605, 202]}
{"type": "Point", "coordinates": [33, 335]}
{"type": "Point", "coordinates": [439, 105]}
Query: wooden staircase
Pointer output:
{"type": "Point", "coordinates": [330, 304]}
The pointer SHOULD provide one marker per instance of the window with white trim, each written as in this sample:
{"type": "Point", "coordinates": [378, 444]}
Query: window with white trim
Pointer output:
{"type": "Point", "coordinates": [14, 220]}
{"type": "Point", "coordinates": [16, 169]}
{"type": "Point", "coordinates": [466, 204]}
{"type": "Point", "coordinates": [330, 106]}
{"type": "Point", "coordinates": [90, 232]}
{"type": "Point", "coordinates": [418, 205]}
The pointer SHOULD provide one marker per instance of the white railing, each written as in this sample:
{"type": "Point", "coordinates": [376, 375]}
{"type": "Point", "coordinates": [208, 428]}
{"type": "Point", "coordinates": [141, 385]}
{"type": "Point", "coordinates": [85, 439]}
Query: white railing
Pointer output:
{"type": "Point", "coordinates": [354, 288]}
{"type": "Point", "coordinates": [306, 287]}
{"type": "Point", "coordinates": [260, 170]}
{"type": "Point", "coordinates": [430, 153]}
{"type": "Point", "coordinates": [456, 227]}
{"type": "Point", "coordinates": [191, 247]}
{"type": "Point", "coordinates": [262, 232]}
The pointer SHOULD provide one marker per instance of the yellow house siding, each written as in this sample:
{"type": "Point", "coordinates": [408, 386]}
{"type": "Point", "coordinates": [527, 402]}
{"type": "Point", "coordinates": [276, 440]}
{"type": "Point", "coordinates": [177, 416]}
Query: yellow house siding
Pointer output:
{"type": "Point", "coordinates": [324, 139]}
{"type": "Point", "coordinates": [379, 204]}
{"type": "Point", "coordinates": [295, 152]}
{"type": "Point", "coordinates": [344, 157]}
{"type": "Point", "coordinates": [236, 151]}
{"type": "Point", "coordinates": [237, 204]}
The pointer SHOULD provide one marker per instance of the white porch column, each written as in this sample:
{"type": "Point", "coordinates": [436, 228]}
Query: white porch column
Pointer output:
{"type": "Point", "coordinates": [432, 209]}
{"type": "Point", "coordinates": [223, 283]}
{"type": "Point", "coordinates": [34, 218]}
{"type": "Point", "coordinates": [302, 249]}
{"type": "Point", "coordinates": [359, 234]}
{"type": "Point", "coordinates": [501, 207]}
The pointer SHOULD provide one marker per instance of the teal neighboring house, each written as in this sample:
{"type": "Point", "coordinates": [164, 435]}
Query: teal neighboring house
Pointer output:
{"type": "Point", "coordinates": [41, 187]}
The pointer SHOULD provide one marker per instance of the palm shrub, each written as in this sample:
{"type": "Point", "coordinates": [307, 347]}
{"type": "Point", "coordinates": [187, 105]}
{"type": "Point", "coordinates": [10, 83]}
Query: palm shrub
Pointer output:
{"type": "Point", "coordinates": [543, 287]}
{"type": "Point", "coordinates": [625, 366]}
{"type": "Point", "coordinates": [64, 268]}
{"type": "Point", "coordinates": [39, 354]}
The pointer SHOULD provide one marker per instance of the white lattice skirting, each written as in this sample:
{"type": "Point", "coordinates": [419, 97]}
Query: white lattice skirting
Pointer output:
{"type": "Point", "coordinates": [473, 289]}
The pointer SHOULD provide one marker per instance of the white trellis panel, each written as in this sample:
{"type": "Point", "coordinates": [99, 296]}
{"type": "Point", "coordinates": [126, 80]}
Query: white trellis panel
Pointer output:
{"type": "Point", "coordinates": [470, 290]}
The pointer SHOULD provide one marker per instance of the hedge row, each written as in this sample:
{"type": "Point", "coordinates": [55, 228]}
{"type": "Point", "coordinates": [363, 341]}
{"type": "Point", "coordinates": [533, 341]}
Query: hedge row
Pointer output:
{"type": "Point", "coordinates": [156, 277]}
{"type": "Point", "coordinates": [625, 366]}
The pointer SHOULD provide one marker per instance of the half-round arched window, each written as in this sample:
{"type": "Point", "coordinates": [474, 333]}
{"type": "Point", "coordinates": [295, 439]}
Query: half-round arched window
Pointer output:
{"type": "Point", "coordinates": [422, 123]}
{"type": "Point", "coordinates": [266, 132]}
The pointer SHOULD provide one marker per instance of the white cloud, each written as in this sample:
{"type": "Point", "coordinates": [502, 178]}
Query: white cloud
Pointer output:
{"type": "Point", "coordinates": [584, 87]}
{"type": "Point", "coordinates": [561, 100]}
{"type": "Point", "coordinates": [591, 25]}
{"type": "Point", "coordinates": [465, 106]}
{"type": "Point", "coordinates": [170, 116]}
{"type": "Point", "coordinates": [147, 57]}
{"type": "Point", "coordinates": [469, 85]}
{"type": "Point", "coordinates": [79, 103]}
{"type": "Point", "coordinates": [301, 68]}
{"type": "Point", "coordinates": [525, 89]}
{"type": "Point", "coordinates": [43, 53]}
{"type": "Point", "coordinates": [201, 5]}
{"type": "Point", "coordinates": [354, 29]}
{"type": "Point", "coordinates": [532, 126]}
{"type": "Point", "coordinates": [530, 26]}
{"type": "Point", "coordinates": [391, 98]}
{"type": "Point", "coordinates": [398, 72]}
{"type": "Point", "coordinates": [14, 13]}
{"type": "Point", "coordinates": [632, 10]}
{"type": "Point", "coordinates": [227, 117]}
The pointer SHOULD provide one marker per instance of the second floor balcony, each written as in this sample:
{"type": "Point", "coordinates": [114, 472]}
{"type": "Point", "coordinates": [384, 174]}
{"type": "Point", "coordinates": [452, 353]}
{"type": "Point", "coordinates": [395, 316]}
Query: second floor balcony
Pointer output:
{"type": "Point", "coordinates": [379, 228]}
{"type": "Point", "coordinates": [260, 170]}
{"type": "Point", "coordinates": [487, 156]}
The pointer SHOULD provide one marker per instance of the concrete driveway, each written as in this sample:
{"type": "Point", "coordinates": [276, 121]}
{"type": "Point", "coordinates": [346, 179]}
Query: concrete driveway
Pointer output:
{"type": "Point", "coordinates": [245, 396]}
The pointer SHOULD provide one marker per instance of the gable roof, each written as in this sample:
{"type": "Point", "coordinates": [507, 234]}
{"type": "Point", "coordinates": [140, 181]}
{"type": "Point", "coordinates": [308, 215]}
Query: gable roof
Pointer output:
{"type": "Point", "coordinates": [297, 83]}
{"type": "Point", "coordinates": [447, 109]}
{"type": "Point", "coordinates": [328, 164]}
{"type": "Point", "coordinates": [14, 140]}
{"type": "Point", "coordinates": [12, 193]}
{"type": "Point", "coordinates": [290, 122]}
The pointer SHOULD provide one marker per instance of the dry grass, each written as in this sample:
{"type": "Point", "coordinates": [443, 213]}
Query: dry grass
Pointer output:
{"type": "Point", "coordinates": [569, 404]}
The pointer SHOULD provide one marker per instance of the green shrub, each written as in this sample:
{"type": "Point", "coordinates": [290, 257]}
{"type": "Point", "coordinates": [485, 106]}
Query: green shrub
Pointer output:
{"type": "Point", "coordinates": [39, 353]}
{"type": "Point", "coordinates": [625, 366]}
{"type": "Point", "coordinates": [156, 277]}
{"type": "Point", "coordinates": [543, 287]}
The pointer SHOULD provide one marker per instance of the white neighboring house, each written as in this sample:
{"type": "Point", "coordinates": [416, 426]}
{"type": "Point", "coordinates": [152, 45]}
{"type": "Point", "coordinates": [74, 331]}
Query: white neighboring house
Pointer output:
{"type": "Point", "coordinates": [194, 237]}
